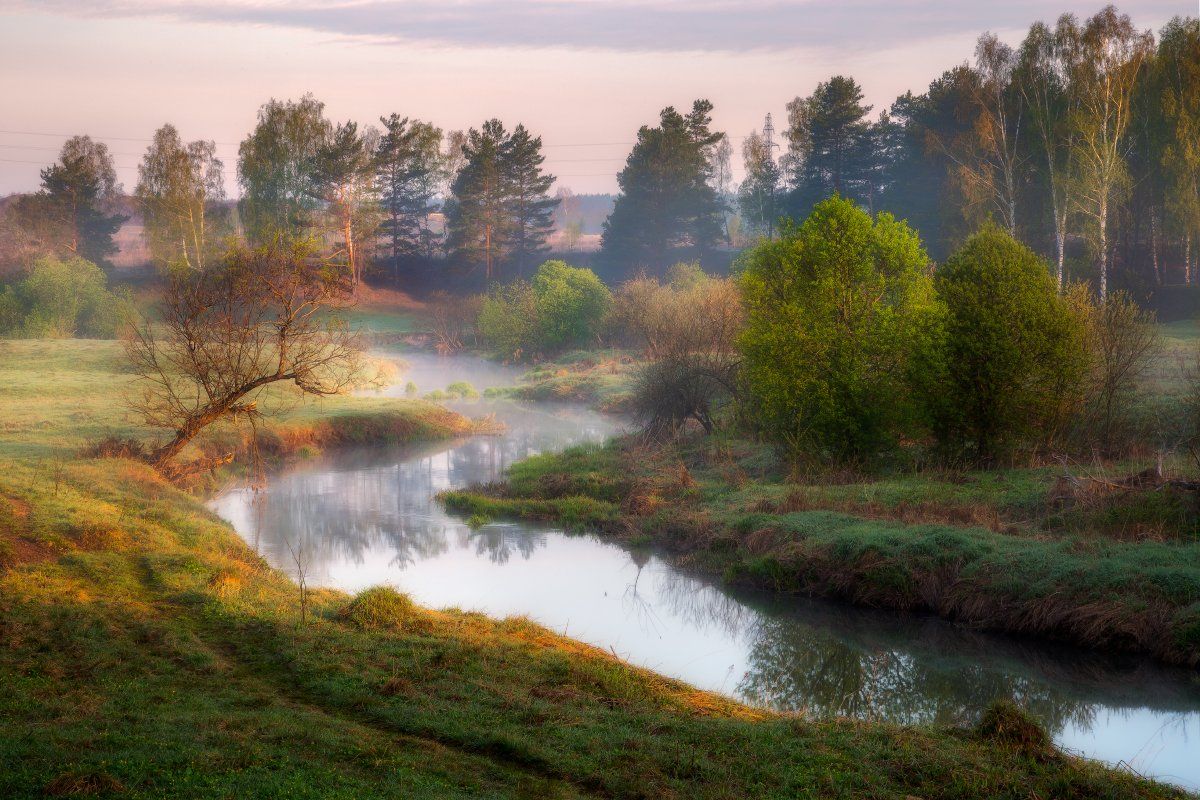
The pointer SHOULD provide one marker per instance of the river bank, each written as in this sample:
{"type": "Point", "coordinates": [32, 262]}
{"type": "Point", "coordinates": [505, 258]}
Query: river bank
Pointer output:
{"type": "Point", "coordinates": [149, 652]}
{"type": "Point", "coordinates": [959, 546]}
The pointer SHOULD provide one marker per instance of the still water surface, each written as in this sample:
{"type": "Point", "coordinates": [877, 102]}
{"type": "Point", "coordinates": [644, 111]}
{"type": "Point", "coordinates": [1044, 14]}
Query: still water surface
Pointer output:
{"type": "Point", "coordinates": [368, 518]}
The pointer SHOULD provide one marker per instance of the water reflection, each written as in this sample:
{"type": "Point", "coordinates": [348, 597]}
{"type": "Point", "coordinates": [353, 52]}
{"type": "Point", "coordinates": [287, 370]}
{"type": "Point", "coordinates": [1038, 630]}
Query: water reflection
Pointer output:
{"type": "Point", "coordinates": [367, 517]}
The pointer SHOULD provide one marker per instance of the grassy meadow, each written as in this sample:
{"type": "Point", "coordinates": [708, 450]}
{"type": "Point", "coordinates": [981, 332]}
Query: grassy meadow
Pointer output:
{"type": "Point", "coordinates": [148, 652]}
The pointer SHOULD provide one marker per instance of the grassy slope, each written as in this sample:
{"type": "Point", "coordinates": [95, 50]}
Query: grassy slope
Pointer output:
{"type": "Point", "coordinates": [145, 651]}
{"type": "Point", "coordinates": [982, 548]}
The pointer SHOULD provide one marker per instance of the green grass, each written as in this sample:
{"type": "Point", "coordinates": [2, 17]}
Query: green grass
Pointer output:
{"type": "Point", "coordinates": [56, 395]}
{"type": "Point", "coordinates": [989, 548]}
{"type": "Point", "coordinates": [596, 378]}
{"type": "Point", "coordinates": [149, 653]}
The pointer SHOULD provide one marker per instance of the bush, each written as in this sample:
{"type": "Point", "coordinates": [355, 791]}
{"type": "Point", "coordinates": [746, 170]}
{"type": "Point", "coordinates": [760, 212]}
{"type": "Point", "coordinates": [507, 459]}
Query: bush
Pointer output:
{"type": "Point", "coordinates": [563, 307]}
{"type": "Point", "coordinates": [835, 309]}
{"type": "Point", "coordinates": [688, 330]}
{"type": "Point", "coordinates": [58, 300]}
{"type": "Point", "coordinates": [1013, 354]}
{"type": "Point", "coordinates": [451, 320]}
{"type": "Point", "coordinates": [1123, 342]}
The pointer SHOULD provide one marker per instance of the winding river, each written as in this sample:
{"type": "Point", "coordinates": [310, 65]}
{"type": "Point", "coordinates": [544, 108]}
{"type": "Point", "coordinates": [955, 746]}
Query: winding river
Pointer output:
{"type": "Point", "coordinates": [368, 517]}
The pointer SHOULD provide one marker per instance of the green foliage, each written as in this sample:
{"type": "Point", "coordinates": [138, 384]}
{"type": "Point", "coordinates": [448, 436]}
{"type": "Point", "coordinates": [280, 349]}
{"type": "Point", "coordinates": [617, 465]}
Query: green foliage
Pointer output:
{"type": "Point", "coordinates": [1012, 358]}
{"type": "Point", "coordinates": [835, 309]}
{"type": "Point", "coordinates": [70, 214]}
{"type": "Point", "coordinates": [571, 303]}
{"type": "Point", "coordinates": [564, 306]}
{"type": "Point", "coordinates": [60, 299]}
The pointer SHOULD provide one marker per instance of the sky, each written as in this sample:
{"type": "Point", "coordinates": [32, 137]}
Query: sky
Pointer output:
{"type": "Point", "coordinates": [583, 74]}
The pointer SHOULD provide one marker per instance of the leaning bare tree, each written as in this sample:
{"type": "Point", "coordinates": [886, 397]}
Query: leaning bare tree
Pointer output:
{"type": "Point", "coordinates": [261, 317]}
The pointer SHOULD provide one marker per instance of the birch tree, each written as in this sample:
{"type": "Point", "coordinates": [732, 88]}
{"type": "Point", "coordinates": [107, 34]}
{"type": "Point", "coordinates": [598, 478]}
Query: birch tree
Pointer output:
{"type": "Point", "coordinates": [179, 188]}
{"type": "Point", "coordinates": [1105, 72]}
{"type": "Point", "coordinates": [1043, 78]}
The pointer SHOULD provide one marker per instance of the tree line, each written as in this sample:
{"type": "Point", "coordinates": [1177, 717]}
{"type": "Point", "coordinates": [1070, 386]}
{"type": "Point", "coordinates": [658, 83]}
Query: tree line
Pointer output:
{"type": "Point", "coordinates": [1082, 141]}
{"type": "Point", "coordinates": [391, 196]}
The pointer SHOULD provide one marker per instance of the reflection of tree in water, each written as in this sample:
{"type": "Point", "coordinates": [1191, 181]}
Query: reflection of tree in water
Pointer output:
{"type": "Point", "coordinates": [353, 504]}
{"type": "Point", "coordinates": [795, 666]}
{"type": "Point", "coordinates": [499, 542]}
{"type": "Point", "coordinates": [830, 659]}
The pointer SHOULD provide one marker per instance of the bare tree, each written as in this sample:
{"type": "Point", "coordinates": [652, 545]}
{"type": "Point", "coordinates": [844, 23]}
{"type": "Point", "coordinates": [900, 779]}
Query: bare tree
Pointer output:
{"type": "Point", "coordinates": [261, 317]}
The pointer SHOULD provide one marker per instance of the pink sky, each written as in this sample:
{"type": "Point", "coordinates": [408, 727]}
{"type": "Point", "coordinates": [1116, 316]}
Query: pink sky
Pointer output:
{"type": "Point", "coordinates": [584, 74]}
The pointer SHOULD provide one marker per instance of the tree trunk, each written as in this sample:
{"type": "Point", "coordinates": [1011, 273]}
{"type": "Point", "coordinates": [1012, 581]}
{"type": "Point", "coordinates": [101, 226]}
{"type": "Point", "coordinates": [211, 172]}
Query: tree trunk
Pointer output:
{"type": "Point", "coordinates": [1187, 259]}
{"type": "Point", "coordinates": [1154, 249]}
{"type": "Point", "coordinates": [1103, 220]}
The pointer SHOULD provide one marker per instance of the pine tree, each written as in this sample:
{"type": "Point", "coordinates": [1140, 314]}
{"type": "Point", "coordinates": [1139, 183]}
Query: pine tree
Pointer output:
{"type": "Point", "coordinates": [408, 171]}
{"type": "Point", "coordinates": [478, 222]}
{"type": "Point", "coordinates": [70, 213]}
{"type": "Point", "coordinates": [829, 146]}
{"type": "Point", "coordinates": [530, 207]}
{"type": "Point", "coordinates": [339, 176]}
{"type": "Point", "coordinates": [667, 200]}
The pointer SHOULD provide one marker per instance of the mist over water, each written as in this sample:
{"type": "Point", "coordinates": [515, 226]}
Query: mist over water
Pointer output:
{"type": "Point", "coordinates": [368, 517]}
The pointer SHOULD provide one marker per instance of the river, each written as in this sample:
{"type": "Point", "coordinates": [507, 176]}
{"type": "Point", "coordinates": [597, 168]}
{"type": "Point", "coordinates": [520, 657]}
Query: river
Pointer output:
{"type": "Point", "coordinates": [367, 517]}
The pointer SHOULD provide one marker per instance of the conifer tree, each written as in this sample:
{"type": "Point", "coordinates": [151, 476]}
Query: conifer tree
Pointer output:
{"type": "Point", "coordinates": [408, 171]}
{"type": "Point", "coordinates": [530, 207]}
{"type": "Point", "coordinates": [478, 222]}
{"type": "Point", "coordinates": [667, 200]}
{"type": "Point", "coordinates": [71, 212]}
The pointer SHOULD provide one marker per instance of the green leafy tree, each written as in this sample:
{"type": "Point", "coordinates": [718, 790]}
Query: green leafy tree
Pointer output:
{"type": "Point", "coordinates": [1013, 358]}
{"type": "Point", "coordinates": [1107, 59]}
{"type": "Point", "coordinates": [180, 187]}
{"type": "Point", "coordinates": [835, 309]}
{"type": "Point", "coordinates": [1178, 68]}
{"type": "Point", "coordinates": [408, 173]}
{"type": "Point", "coordinates": [70, 215]}
{"type": "Point", "coordinates": [563, 306]}
{"type": "Point", "coordinates": [667, 200]}
{"type": "Point", "coordinates": [60, 299]}
{"type": "Point", "coordinates": [758, 196]}
{"type": "Point", "coordinates": [571, 304]}
{"type": "Point", "coordinates": [1043, 76]}
{"type": "Point", "coordinates": [275, 165]}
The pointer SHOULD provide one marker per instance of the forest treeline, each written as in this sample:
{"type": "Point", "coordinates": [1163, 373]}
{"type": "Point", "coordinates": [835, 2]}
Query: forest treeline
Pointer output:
{"type": "Point", "coordinates": [1082, 140]}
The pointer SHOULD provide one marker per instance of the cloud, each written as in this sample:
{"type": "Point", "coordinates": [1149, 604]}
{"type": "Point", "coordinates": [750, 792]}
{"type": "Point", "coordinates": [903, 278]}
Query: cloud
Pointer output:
{"type": "Point", "coordinates": [615, 25]}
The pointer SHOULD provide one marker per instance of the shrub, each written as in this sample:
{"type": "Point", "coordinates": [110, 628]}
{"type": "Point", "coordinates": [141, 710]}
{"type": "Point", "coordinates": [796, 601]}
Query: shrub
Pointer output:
{"type": "Point", "coordinates": [835, 308]}
{"type": "Point", "coordinates": [688, 329]}
{"type": "Point", "coordinates": [58, 300]}
{"type": "Point", "coordinates": [507, 320]}
{"type": "Point", "coordinates": [1013, 357]}
{"type": "Point", "coordinates": [562, 307]}
{"type": "Point", "coordinates": [451, 320]}
{"type": "Point", "coordinates": [1123, 342]}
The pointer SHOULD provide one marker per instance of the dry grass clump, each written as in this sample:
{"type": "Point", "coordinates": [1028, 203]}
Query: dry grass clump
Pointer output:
{"type": "Point", "coordinates": [1009, 725]}
{"type": "Point", "coordinates": [380, 608]}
